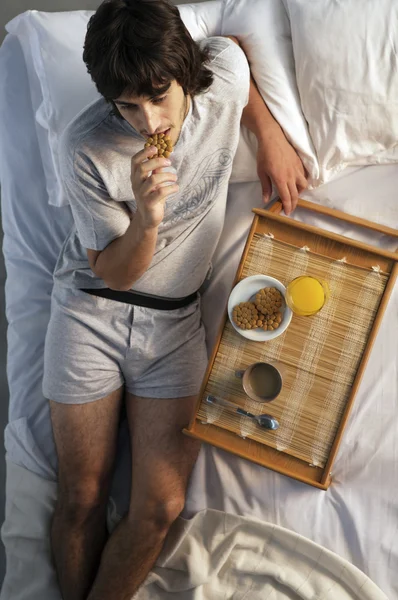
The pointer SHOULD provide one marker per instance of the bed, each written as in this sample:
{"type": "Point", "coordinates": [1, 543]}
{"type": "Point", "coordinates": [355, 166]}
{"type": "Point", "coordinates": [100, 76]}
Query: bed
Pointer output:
{"type": "Point", "coordinates": [357, 518]}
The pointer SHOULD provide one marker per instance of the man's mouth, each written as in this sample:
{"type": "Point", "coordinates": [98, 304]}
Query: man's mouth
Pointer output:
{"type": "Point", "coordinates": [165, 131]}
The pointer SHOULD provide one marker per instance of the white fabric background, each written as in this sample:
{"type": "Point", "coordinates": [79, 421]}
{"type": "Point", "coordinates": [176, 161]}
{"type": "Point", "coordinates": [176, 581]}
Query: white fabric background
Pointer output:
{"type": "Point", "coordinates": [345, 56]}
{"type": "Point", "coordinates": [356, 517]}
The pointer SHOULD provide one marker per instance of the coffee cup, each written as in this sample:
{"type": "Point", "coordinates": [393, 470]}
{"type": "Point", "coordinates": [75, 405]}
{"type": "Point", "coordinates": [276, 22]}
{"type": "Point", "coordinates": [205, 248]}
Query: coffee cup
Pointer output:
{"type": "Point", "coordinates": [262, 381]}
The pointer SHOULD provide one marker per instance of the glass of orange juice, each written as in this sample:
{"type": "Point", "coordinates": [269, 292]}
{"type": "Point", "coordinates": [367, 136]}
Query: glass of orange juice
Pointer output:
{"type": "Point", "coordinates": [306, 295]}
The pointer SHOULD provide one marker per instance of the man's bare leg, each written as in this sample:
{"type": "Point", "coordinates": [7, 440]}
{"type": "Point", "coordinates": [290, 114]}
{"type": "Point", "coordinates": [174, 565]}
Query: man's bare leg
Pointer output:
{"type": "Point", "coordinates": [162, 459]}
{"type": "Point", "coordinates": [85, 437]}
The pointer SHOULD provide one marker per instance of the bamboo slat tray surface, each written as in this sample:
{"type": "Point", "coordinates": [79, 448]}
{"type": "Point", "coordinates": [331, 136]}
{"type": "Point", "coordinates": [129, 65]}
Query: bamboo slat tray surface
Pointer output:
{"type": "Point", "coordinates": [324, 355]}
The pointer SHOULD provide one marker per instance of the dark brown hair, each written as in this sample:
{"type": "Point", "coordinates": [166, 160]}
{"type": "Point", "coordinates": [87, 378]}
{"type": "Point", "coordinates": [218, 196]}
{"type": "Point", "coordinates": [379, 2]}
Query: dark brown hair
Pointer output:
{"type": "Point", "coordinates": [138, 47]}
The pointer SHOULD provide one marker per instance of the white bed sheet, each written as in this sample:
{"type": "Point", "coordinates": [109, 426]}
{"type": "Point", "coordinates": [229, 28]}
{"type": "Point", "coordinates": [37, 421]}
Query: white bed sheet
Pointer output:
{"type": "Point", "coordinates": [33, 234]}
{"type": "Point", "coordinates": [358, 516]}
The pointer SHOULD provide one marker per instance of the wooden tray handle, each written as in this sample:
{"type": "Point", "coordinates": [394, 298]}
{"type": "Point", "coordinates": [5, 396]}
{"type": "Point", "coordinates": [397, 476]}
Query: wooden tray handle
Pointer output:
{"type": "Point", "coordinates": [276, 208]}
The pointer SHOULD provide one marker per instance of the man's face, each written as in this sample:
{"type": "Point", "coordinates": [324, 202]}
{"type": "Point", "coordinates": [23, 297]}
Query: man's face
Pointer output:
{"type": "Point", "coordinates": [160, 114]}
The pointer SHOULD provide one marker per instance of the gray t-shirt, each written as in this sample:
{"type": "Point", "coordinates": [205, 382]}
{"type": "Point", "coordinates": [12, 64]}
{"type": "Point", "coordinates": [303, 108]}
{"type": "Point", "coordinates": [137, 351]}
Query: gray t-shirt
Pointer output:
{"type": "Point", "coordinates": [96, 152]}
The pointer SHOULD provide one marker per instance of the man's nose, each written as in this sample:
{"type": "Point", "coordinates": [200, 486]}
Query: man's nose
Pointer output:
{"type": "Point", "coordinates": [150, 122]}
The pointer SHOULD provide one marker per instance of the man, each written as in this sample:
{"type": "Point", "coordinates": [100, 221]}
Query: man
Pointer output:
{"type": "Point", "coordinates": [143, 237]}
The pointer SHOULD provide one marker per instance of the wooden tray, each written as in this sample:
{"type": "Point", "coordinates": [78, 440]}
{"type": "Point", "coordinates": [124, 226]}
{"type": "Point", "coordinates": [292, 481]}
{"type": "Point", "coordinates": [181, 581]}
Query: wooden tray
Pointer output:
{"type": "Point", "coordinates": [324, 356]}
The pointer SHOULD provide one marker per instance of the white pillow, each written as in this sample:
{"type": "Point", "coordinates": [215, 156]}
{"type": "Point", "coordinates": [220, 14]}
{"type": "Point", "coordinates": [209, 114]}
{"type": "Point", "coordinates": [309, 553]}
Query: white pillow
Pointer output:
{"type": "Point", "coordinates": [52, 44]}
{"type": "Point", "coordinates": [60, 86]}
{"type": "Point", "coordinates": [346, 66]}
{"type": "Point", "coordinates": [263, 28]}
{"type": "Point", "coordinates": [23, 27]}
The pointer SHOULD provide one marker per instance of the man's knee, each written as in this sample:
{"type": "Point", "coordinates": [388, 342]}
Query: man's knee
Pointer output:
{"type": "Point", "coordinates": [159, 512]}
{"type": "Point", "coordinates": [82, 498]}
{"type": "Point", "coordinates": [166, 511]}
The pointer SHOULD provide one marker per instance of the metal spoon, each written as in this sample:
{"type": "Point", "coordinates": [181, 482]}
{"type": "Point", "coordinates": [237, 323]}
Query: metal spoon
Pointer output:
{"type": "Point", "coordinates": [265, 421]}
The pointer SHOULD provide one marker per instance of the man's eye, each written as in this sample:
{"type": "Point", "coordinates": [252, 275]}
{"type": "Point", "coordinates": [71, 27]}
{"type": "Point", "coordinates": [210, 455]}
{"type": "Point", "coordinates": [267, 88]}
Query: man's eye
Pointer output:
{"type": "Point", "coordinates": [158, 100]}
{"type": "Point", "coordinates": [127, 106]}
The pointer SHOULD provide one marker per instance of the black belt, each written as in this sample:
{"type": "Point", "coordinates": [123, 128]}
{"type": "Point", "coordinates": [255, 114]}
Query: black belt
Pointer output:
{"type": "Point", "coordinates": [145, 300]}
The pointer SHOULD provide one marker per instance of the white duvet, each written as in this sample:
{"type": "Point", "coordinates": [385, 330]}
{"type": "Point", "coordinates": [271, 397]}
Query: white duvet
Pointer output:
{"type": "Point", "coordinates": [216, 556]}
{"type": "Point", "coordinates": [212, 556]}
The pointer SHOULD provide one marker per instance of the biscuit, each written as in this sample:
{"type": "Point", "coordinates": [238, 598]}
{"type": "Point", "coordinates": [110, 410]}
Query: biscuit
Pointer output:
{"type": "Point", "coordinates": [163, 144]}
{"type": "Point", "coordinates": [264, 312]}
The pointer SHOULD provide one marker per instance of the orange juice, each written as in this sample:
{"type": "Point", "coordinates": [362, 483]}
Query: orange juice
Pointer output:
{"type": "Point", "coordinates": [306, 295]}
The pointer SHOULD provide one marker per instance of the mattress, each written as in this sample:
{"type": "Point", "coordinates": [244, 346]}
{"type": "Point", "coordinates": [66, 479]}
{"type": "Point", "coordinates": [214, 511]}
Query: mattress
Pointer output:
{"type": "Point", "coordinates": [357, 516]}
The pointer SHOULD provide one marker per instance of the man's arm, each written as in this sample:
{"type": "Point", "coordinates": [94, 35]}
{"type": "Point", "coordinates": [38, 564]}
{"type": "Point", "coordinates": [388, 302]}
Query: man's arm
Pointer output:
{"type": "Point", "coordinates": [115, 265]}
{"type": "Point", "coordinates": [276, 158]}
{"type": "Point", "coordinates": [127, 257]}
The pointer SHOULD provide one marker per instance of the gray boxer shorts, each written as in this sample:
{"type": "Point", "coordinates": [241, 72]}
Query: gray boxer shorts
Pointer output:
{"type": "Point", "coordinates": [95, 345]}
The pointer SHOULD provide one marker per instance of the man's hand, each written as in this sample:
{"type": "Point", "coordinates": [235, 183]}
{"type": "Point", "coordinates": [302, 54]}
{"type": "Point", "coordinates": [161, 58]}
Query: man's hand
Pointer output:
{"type": "Point", "coordinates": [150, 186]}
{"type": "Point", "coordinates": [277, 160]}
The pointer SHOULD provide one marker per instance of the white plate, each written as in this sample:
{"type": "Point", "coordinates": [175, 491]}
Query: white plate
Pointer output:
{"type": "Point", "coordinates": [243, 291]}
